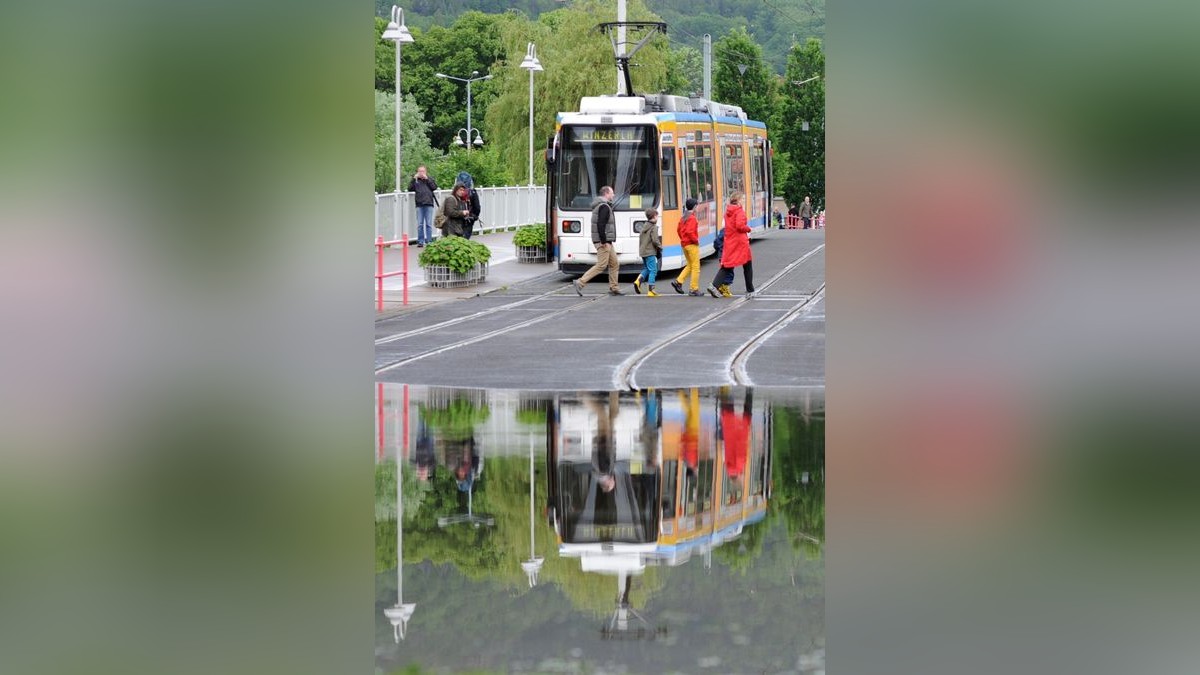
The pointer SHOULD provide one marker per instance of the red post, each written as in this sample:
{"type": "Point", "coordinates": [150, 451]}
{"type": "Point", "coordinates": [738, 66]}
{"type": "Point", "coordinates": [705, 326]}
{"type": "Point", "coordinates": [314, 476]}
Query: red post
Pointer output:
{"type": "Point", "coordinates": [404, 247]}
{"type": "Point", "coordinates": [379, 419]}
{"type": "Point", "coordinates": [379, 276]}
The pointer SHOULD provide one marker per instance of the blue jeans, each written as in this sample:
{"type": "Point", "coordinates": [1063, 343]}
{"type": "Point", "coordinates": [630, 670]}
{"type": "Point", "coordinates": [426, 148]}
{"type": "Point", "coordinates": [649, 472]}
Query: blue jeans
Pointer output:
{"type": "Point", "coordinates": [649, 269]}
{"type": "Point", "coordinates": [424, 224]}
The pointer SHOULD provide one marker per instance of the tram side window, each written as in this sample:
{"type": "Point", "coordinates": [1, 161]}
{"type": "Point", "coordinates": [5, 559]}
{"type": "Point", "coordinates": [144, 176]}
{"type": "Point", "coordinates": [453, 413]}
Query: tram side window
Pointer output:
{"type": "Point", "coordinates": [735, 170]}
{"type": "Point", "coordinates": [699, 183]}
{"type": "Point", "coordinates": [669, 200]}
{"type": "Point", "coordinates": [756, 168]}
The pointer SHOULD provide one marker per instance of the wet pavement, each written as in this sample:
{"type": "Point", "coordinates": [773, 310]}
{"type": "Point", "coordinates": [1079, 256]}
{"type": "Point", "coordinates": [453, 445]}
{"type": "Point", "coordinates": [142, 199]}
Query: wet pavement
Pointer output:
{"type": "Point", "coordinates": [664, 531]}
{"type": "Point", "coordinates": [536, 332]}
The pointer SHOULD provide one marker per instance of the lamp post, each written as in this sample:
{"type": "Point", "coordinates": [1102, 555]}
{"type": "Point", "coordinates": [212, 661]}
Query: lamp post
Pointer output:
{"type": "Point", "coordinates": [399, 614]}
{"type": "Point", "coordinates": [531, 64]}
{"type": "Point", "coordinates": [458, 140]}
{"type": "Point", "coordinates": [397, 32]}
{"type": "Point", "coordinates": [534, 564]}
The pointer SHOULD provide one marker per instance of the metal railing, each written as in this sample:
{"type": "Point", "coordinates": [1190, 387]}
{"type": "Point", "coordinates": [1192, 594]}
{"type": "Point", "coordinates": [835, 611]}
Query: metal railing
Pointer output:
{"type": "Point", "coordinates": [501, 208]}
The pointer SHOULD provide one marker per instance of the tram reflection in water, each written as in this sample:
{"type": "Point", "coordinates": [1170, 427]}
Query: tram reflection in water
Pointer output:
{"type": "Point", "coordinates": [654, 478]}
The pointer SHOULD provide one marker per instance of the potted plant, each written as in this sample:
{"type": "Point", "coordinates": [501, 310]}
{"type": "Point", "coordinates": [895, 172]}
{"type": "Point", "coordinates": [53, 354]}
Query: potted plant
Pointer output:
{"type": "Point", "coordinates": [530, 241]}
{"type": "Point", "coordinates": [450, 262]}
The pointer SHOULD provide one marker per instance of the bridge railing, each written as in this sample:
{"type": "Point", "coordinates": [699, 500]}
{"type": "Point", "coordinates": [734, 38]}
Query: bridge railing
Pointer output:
{"type": "Point", "coordinates": [500, 208]}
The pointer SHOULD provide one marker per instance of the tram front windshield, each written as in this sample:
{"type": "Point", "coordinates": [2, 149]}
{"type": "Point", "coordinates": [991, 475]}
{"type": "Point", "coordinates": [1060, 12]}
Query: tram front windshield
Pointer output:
{"type": "Point", "coordinates": [619, 509]}
{"type": "Point", "coordinates": [624, 157]}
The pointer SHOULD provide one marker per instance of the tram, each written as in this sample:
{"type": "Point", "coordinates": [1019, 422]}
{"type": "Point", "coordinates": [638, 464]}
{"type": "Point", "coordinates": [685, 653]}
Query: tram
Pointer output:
{"type": "Point", "coordinates": [655, 150]}
{"type": "Point", "coordinates": [654, 481]}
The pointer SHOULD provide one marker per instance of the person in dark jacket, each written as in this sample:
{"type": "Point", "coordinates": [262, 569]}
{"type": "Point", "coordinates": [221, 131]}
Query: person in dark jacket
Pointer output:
{"type": "Point", "coordinates": [806, 213]}
{"type": "Point", "coordinates": [737, 248]}
{"type": "Point", "coordinates": [649, 247]}
{"type": "Point", "coordinates": [466, 179]}
{"type": "Point", "coordinates": [423, 187]}
{"type": "Point", "coordinates": [689, 239]}
{"type": "Point", "coordinates": [719, 249]}
{"type": "Point", "coordinates": [604, 236]}
{"type": "Point", "coordinates": [456, 208]}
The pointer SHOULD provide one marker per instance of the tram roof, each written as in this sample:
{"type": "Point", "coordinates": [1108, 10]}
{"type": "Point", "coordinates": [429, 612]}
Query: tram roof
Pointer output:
{"type": "Point", "coordinates": [596, 118]}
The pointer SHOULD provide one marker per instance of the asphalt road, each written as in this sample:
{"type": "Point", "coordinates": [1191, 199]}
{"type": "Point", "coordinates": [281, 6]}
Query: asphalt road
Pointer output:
{"type": "Point", "coordinates": [538, 334]}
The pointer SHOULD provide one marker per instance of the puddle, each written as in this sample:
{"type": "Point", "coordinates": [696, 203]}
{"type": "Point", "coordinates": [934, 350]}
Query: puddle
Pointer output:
{"type": "Point", "coordinates": [656, 531]}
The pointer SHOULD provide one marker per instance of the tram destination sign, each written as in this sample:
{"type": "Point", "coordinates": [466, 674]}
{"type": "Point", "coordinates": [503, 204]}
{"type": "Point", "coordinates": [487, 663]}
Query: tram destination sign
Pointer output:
{"type": "Point", "coordinates": [608, 134]}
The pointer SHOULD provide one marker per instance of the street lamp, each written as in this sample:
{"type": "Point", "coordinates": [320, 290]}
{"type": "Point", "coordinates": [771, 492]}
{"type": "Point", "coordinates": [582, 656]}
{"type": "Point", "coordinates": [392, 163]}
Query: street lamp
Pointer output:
{"type": "Point", "coordinates": [461, 138]}
{"type": "Point", "coordinates": [531, 64]}
{"type": "Point", "coordinates": [398, 33]}
{"type": "Point", "coordinates": [399, 614]}
{"type": "Point", "coordinates": [532, 566]}
{"type": "Point", "coordinates": [478, 137]}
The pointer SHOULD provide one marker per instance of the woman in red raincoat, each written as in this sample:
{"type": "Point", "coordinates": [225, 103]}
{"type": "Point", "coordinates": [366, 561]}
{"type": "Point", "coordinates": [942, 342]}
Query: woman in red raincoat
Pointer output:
{"type": "Point", "coordinates": [737, 248]}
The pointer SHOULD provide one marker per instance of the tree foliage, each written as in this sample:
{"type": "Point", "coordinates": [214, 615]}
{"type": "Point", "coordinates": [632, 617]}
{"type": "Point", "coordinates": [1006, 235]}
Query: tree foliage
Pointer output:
{"type": "Point", "coordinates": [415, 149]}
{"type": "Point", "coordinates": [578, 61]}
{"type": "Point", "coordinates": [775, 25]}
{"type": "Point", "coordinates": [798, 478]}
{"type": "Point", "coordinates": [685, 72]}
{"type": "Point", "coordinates": [471, 44]}
{"type": "Point", "coordinates": [801, 104]}
{"type": "Point", "coordinates": [754, 89]}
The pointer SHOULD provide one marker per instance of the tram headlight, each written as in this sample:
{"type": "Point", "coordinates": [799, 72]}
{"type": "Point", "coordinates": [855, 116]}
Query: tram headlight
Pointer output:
{"type": "Point", "coordinates": [638, 226]}
{"type": "Point", "coordinates": [571, 227]}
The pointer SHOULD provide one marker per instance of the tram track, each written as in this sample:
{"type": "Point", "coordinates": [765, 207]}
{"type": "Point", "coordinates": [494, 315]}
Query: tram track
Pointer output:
{"type": "Point", "coordinates": [737, 365]}
{"type": "Point", "coordinates": [625, 375]}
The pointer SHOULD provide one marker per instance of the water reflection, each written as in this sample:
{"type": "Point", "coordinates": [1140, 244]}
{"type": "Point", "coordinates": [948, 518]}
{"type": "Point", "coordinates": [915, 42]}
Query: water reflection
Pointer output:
{"type": "Point", "coordinates": [561, 521]}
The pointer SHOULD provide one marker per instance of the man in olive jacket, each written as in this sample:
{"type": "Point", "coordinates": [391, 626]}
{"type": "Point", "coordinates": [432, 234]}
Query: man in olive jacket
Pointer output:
{"type": "Point", "coordinates": [604, 236]}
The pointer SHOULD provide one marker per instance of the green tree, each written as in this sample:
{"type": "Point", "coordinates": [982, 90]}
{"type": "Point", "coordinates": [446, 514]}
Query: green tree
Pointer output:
{"type": "Point", "coordinates": [740, 77]}
{"type": "Point", "coordinates": [385, 59]}
{"type": "Point", "coordinates": [798, 477]}
{"type": "Point", "coordinates": [415, 148]}
{"type": "Point", "coordinates": [803, 105]}
{"type": "Point", "coordinates": [471, 44]}
{"type": "Point", "coordinates": [685, 71]}
{"type": "Point", "coordinates": [578, 61]}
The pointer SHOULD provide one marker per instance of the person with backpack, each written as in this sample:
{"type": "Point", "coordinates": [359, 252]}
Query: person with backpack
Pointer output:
{"type": "Point", "coordinates": [719, 248]}
{"type": "Point", "coordinates": [456, 208]}
{"type": "Point", "coordinates": [467, 181]}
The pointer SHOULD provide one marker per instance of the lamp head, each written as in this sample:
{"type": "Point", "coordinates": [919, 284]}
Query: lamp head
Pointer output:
{"type": "Point", "coordinates": [531, 62]}
{"type": "Point", "coordinates": [396, 30]}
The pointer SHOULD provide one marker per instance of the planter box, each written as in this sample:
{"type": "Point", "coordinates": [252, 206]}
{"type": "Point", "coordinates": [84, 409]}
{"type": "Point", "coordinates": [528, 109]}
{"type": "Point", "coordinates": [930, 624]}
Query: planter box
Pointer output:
{"type": "Point", "coordinates": [440, 276]}
{"type": "Point", "coordinates": [531, 254]}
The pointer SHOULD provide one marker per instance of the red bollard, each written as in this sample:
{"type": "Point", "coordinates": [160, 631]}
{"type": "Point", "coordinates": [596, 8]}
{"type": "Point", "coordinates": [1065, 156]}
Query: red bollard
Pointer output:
{"type": "Point", "coordinates": [379, 274]}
